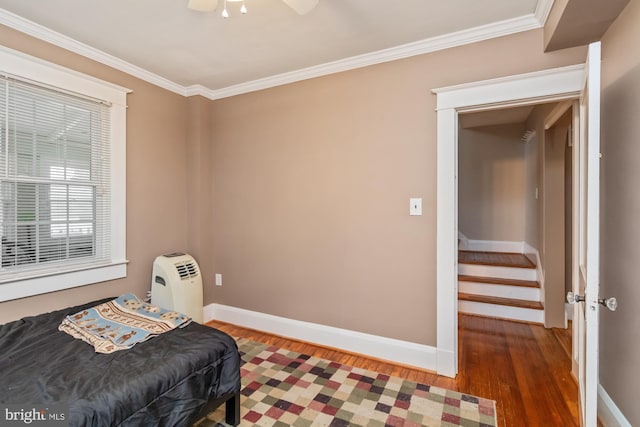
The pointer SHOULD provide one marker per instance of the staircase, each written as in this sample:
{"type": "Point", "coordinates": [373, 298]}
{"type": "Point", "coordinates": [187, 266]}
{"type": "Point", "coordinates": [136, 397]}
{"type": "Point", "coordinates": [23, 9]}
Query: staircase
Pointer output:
{"type": "Point", "coordinates": [499, 284]}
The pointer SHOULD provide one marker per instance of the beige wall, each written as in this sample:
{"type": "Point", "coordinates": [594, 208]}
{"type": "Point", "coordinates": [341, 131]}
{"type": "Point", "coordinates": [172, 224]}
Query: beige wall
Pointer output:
{"type": "Point", "coordinates": [579, 22]}
{"type": "Point", "coordinates": [200, 186]}
{"type": "Point", "coordinates": [531, 186]}
{"type": "Point", "coordinates": [312, 182]}
{"type": "Point", "coordinates": [156, 179]}
{"type": "Point", "coordinates": [553, 20]}
{"type": "Point", "coordinates": [535, 177]}
{"type": "Point", "coordinates": [620, 210]}
{"type": "Point", "coordinates": [491, 183]}
{"type": "Point", "coordinates": [547, 218]}
{"type": "Point", "coordinates": [554, 223]}
{"type": "Point", "coordinates": [568, 216]}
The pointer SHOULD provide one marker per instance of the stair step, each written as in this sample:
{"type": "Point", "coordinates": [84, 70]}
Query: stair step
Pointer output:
{"type": "Point", "coordinates": [502, 291]}
{"type": "Point", "coordinates": [513, 273]}
{"type": "Point", "coordinates": [505, 312]}
{"type": "Point", "coordinates": [533, 305]}
{"type": "Point", "coordinates": [499, 285]}
{"type": "Point", "coordinates": [500, 259]}
{"type": "Point", "coordinates": [498, 281]}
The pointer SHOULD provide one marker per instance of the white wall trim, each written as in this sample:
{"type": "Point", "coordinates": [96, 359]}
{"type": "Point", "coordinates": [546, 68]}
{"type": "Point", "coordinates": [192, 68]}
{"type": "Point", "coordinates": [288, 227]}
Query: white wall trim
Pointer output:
{"type": "Point", "coordinates": [492, 246]}
{"type": "Point", "coordinates": [530, 88]}
{"type": "Point", "coordinates": [459, 38]}
{"type": "Point", "coordinates": [446, 232]}
{"type": "Point", "coordinates": [43, 33]}
{"type": "Point", "coordinates": [608, 411]}
{"type": "Point", "coordinates": [543, 9]}
{"type": "Point", "coordinates": [555, 84]}
{"type": "Point", "coordinates": [407, 353]}
{"type": "Point", "coordinates": [528, 249]}
{"type": "Point", "coordinates": [463, 241]}
{"type": "Point", "coordinates": [64, 280]}
{"type": "Point", "coordinates": [20, 65]}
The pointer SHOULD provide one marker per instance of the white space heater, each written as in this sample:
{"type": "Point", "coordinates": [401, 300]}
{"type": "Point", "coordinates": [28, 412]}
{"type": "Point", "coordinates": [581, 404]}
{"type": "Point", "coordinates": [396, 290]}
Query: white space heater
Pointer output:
{"type": "Point", "coordinates": [176, 284]}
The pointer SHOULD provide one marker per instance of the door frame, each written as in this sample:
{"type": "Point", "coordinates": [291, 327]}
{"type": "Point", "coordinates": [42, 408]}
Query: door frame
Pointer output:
{"type": "Point", "coordinates": [524, 89]}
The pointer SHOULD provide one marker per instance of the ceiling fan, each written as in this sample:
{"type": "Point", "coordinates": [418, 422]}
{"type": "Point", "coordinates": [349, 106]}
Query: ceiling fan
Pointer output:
{"type": "Point", "coordinates": [302, 7]}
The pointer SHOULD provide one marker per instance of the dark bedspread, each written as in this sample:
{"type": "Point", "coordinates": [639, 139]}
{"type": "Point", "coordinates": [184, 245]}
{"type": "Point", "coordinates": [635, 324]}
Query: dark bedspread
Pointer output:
{"type": "Point", "coordinates": [165, 381]}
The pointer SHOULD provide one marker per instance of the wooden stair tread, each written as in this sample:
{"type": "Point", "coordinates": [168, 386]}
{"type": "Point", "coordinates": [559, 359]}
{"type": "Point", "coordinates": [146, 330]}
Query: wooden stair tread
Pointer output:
{"type": "Point", "coordinates": [499, 281]}
{"type": "Point", "coordinates": [535, 305]}
{"type": "Point", "coordinates": [497, 259]}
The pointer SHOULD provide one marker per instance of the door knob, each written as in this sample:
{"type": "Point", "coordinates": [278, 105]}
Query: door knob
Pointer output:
{"type": "Point", "coordinates": [610, 303]}
{"type": "Point", "coordinates": [573, 298]}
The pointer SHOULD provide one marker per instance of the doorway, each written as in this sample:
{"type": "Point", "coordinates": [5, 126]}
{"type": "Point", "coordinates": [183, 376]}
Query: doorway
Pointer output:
{"type": "Point", "coordinates": [514, 210]}
{"type": "Point", "coordinates": [547, 86]}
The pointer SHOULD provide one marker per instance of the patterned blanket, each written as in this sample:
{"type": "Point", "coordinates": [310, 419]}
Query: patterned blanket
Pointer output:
{"type": "Point", "coordinates": [121, 323]}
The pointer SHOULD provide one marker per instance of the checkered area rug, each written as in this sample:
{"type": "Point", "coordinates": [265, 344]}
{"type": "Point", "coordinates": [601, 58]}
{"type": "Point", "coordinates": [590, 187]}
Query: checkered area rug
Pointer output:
{"type": "Point", "coordinates": [285, 388]}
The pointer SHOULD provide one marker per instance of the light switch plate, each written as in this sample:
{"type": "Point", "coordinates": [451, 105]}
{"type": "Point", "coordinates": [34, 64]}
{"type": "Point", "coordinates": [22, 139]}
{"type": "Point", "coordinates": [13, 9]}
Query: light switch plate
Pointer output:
{"type": "Point", "coordinates": [415, 206]}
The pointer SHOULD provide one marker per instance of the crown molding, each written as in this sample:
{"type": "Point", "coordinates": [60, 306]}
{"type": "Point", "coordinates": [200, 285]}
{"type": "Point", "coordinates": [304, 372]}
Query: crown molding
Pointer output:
{"type": "Point", "coordinates": [196, 90]}
{"type": "Point", "coordinates": [43, 33]}
{"type": "Point", "coordinates": [543, 9]}
{"type": "Point", "coordinates": [459, 38]}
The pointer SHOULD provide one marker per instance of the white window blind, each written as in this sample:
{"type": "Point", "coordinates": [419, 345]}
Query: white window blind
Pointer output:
{"type": "Point", "coordinates": [54, 180]}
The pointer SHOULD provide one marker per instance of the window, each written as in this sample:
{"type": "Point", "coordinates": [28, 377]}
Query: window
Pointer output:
{"type": "Point", "coordinates": [61, 178]}
{"type": "Point", "coordinates": [72, 206]}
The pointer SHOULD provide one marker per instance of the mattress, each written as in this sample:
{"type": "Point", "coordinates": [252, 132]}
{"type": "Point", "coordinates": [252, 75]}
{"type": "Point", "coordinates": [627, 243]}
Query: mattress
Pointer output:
{"type": "Point", "coordinates": [165, 381]}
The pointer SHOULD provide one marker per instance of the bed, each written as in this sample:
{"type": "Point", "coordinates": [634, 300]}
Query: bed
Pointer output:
{"type": "Point", "coordinates": [172, 380]}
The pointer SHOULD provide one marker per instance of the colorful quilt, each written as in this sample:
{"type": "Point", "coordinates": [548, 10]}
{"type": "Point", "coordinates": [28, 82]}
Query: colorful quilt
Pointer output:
{"type": "Point", "coordinates": [121, 323]}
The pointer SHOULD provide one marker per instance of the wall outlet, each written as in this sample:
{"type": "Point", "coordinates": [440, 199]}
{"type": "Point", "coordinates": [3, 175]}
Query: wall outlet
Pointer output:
{"type": "Point", "coordinates": [218, 279]}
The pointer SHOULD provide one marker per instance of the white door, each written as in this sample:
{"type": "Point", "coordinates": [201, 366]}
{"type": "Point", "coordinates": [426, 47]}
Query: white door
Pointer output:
{"type": "Point", "coordinates": [587, 285]}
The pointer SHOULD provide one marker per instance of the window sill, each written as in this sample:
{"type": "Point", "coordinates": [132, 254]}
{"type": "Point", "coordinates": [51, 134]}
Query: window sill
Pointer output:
{"type": "Point", "coordinates": [60, 281]}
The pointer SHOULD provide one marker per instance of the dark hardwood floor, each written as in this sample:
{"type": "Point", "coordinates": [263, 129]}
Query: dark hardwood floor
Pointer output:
{"type": "Point", "coordinates": [524, 367]}
{"type": "Point", "coordinates": [504, 259]}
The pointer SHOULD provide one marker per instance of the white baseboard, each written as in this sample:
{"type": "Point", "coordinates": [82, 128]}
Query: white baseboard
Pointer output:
{"type": "Point", "coordinates": [530, 250]}
{"type": "Point", "coordinates": [463, 241]}
{"type": "Point", "coordinates": [608, 411]}
{"type": "Point", "coordinates": [404, 352]}
{"type": "Point", "coordinates": [446, 362]}
{"type": "Point", "coordinates": [490, 245]}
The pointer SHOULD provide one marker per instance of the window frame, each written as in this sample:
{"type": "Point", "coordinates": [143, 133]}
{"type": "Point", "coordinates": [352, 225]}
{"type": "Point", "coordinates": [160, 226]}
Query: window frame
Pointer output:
{"type": "Point", "coordinates": [45, 73]}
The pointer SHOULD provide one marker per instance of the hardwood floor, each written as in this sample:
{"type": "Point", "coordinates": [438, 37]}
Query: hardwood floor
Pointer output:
{"type": "Point", "coordinates": [504, 259]}
{"type": "Point", "coordinates": [511, 302]}
{"type": "Point", "coordinates": [524, 367]}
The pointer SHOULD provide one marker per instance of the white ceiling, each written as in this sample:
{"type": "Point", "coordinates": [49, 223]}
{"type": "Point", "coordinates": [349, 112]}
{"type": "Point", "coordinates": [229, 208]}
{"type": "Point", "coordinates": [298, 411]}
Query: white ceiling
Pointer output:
{"type": "Point", "coordinates": [188, 48]}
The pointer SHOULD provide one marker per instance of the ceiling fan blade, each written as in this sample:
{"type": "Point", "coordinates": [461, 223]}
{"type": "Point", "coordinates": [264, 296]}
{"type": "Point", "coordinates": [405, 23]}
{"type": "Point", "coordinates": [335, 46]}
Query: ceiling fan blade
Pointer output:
{"type": "Point", "coordinates": [301, 6]}
{"type": "Point", "coordinates": [203, 5]}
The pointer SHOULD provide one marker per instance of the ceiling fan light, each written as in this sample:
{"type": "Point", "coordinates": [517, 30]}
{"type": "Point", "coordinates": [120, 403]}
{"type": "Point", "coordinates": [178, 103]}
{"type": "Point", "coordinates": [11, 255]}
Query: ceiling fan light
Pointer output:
{"type": "Point", "coordinates": [225, 14]}
{"type": "Point", "coordinates": [243, 9]}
